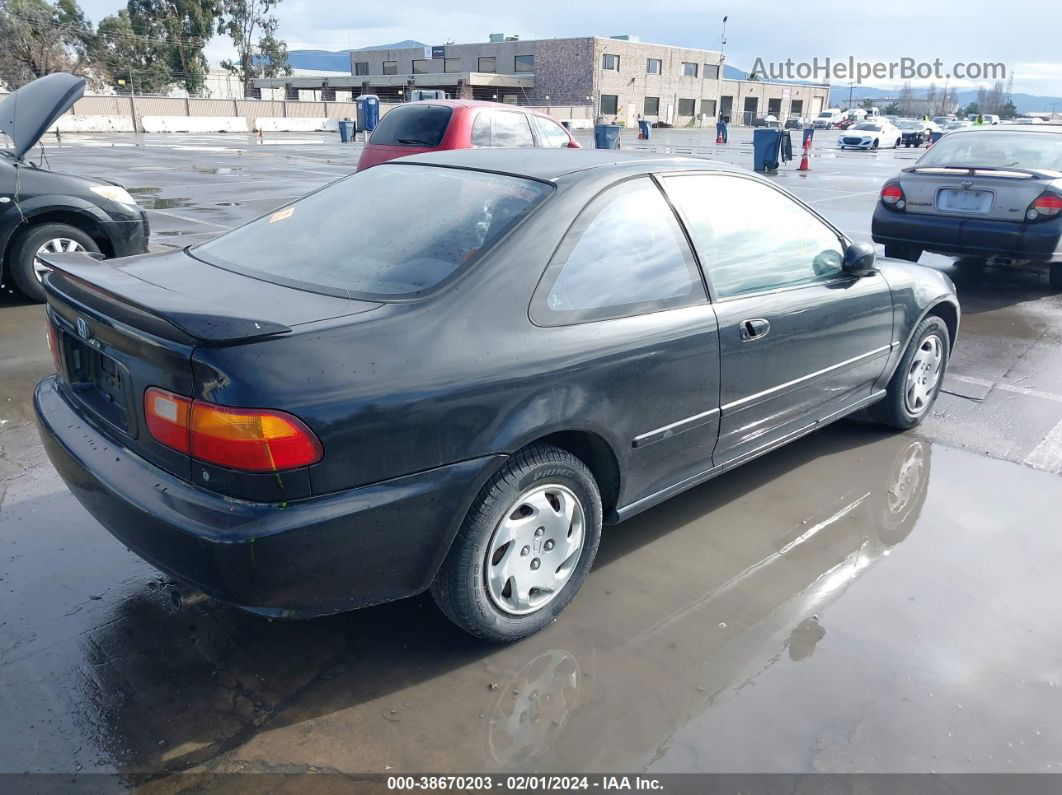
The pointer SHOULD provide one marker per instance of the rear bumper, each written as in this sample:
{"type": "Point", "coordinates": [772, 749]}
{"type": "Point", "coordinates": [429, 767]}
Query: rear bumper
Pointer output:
{"type": "Point", "coordinates": [968, 236]}
{"type": "Point", "coordinates": [311, 557]}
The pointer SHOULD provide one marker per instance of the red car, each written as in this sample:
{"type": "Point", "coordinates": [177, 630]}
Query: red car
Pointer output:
{"type": "Point", "coordinates": [460, 124]}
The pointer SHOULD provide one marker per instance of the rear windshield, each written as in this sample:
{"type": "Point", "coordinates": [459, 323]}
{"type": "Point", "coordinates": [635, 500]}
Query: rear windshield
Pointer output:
{"type": "Point", "coordinates": [993, 149]}
{"type": "Point", "coordinates": [393, 230]}
{"type": "Point", "coordinates": [413, 125]}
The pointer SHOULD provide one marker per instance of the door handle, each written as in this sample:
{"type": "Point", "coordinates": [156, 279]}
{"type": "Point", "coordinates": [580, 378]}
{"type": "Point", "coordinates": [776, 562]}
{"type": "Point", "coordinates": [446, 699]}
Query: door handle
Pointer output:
{"type": "Point", "coordinates": [754, 329]}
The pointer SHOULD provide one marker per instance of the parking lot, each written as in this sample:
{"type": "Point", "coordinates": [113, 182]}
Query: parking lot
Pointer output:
{"type": "Point", "coordinates": [858, 601]}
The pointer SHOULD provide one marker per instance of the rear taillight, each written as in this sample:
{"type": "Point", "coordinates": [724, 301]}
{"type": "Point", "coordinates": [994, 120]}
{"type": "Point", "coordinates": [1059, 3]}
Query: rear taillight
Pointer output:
{"type": "Point", "coordinates": [1046, 205]}
{"type": "Point", "coordinates": [892, 195]}
{"type": "Point", "coordinates": [252, 440]}
{"type": "Point", "coordinates": [53, 343]}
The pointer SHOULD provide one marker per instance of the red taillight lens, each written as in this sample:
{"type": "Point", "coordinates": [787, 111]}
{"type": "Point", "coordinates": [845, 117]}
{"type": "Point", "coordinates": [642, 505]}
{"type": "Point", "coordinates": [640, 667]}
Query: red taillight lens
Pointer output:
{"type": "Point", "coordinates": [53, 343]}
{"type": "Point", "coordinates": [252, 440]}
{"type": "Point", "coordinates": [1047, 205]}
{"type": "Point", "coordinates": [892, 195]}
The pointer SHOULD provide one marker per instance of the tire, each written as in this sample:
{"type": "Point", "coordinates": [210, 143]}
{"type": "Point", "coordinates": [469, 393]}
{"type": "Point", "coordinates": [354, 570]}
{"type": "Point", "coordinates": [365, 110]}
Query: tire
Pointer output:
{"type": "Point", "coordinates": [896, 251]}
{"type": "Point", "coordinates": [875, 144]}
{"type": "Point", "coordinates": [532, 484]}
{"type": "Point", "coordinates": [898, 410]}
{"type": "Point", "coordinates": [898, 142]}
{"type": "Point", "coordinates": [1054, 275]}
{"type": "Point", "coordinates": [24, 252]}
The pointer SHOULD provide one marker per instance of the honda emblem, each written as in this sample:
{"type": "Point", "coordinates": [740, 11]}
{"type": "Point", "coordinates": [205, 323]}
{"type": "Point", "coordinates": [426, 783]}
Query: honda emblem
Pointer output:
{"type": "Point", "coordinates": [83, 329]}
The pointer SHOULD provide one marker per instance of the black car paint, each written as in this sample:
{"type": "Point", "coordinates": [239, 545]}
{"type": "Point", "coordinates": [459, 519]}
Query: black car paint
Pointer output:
{"type": "Point", "coordinates": [411, 389]}
{"type": "Point", "coordinates": [38, 196]}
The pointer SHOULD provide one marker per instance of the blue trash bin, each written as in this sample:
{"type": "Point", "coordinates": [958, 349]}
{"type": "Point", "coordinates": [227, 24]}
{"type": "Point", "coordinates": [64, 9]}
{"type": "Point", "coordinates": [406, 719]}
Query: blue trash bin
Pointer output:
{"type": "Point", "coordinates": [809, 137]}
{"type": "Point", "coordinates": [766, 143]}
{"type": "Point", "coordinates": [606, 136]}
{"type": "Point", "coordinates": [346, 131]}
{"type": "Point", "coordinates": [643, 128]}
{"type": "Point", "coordinates": [935, 136]}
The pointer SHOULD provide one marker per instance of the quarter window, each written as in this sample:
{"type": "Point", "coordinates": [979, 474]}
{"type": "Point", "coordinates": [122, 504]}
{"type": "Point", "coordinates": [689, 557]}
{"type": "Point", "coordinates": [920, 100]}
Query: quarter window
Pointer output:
{"type": "Point", "coordinates": [625, 255]}
{"type": "Point", "coordinates": [481, 130]}
{"type": "Point", "coordinates": [553, 136]}
{"type": "Point", "coordinates": [739, 250]}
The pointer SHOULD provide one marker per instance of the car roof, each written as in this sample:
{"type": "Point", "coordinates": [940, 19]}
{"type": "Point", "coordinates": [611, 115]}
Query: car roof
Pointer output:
{"type": "Point", "coordinates": [550, 164]}
{"type": "Point", "coordinates": [1005, 127]}
{"type": "Point", "coordinates": [470, 103]}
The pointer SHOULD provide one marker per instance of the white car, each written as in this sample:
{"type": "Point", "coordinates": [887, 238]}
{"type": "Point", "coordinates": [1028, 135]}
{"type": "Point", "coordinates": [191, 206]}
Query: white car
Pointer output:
{"type": "Point", "coordinates": [827, 119]}
{"type": "Point", "coordinates": [878, 134]}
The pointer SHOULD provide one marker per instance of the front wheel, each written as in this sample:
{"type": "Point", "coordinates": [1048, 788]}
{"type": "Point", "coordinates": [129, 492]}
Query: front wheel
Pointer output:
{"type": "Point", "coordinates": [916, 383]}
{"type": "Point", "coordinates": [525, 547]}
{"type": "Point", "coordinates": [27, 267]}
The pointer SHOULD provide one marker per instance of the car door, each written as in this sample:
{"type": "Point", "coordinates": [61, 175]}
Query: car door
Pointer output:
{"type": "Point", "coordinates": [550, 134]}
{"type": "Point", "coordinates": [624, 300]}
{"type": "Point", "coordinates": [799, 339]}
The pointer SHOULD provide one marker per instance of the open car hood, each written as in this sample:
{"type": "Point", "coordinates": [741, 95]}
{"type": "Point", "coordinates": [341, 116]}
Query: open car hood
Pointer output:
{"type": "Point", "coordinates": [29, 111]}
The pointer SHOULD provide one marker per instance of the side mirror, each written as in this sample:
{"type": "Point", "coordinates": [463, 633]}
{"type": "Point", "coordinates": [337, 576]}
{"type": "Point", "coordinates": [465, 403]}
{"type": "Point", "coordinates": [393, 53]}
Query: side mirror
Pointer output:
{"type": "Point", "coordinates": [859, 260]}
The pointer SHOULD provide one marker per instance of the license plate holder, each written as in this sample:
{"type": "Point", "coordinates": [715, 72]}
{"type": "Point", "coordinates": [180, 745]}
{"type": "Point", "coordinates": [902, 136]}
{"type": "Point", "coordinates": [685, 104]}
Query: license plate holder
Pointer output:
{"type": "Point", "coordinates": [970, 202]}
{"type": "Point", "coordinates": [101, 382]}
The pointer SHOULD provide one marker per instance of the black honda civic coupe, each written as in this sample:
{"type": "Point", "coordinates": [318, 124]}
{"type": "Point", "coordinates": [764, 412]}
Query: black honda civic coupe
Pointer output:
{"type": "Point", "coordinates": [449, 371]}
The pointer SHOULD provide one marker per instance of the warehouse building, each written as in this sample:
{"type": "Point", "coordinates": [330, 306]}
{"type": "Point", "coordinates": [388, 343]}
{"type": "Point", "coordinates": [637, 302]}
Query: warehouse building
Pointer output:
{"type": "Point", "coordinates": [622, 78]}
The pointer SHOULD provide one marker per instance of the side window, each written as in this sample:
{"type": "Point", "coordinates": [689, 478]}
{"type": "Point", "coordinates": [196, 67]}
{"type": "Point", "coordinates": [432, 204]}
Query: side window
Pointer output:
{"type": "Point", "coordinates": [625, 255]}
{"type": "Point", "coordinates": [481, 130]}
{"type": "Point", "coordinates": [740, 250]}
{"type": "Point", "coordinates": [553, 136]}
{"type": "Point", "coordinates": [512, 129]}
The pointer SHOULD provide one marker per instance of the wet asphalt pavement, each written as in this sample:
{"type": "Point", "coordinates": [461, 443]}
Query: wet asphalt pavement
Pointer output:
{"type": "Point", "coordinates": [858, 601]}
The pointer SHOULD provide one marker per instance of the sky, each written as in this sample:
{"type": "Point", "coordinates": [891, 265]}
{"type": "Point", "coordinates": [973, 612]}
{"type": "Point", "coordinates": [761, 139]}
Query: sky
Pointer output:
{"type": "Point", "coordinates": [951, 30]}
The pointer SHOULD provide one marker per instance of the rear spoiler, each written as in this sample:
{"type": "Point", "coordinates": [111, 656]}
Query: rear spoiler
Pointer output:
{"type": "Point", "coordinates": [985, 171]}
{"type": "Point", "coordinates": [83, 279]}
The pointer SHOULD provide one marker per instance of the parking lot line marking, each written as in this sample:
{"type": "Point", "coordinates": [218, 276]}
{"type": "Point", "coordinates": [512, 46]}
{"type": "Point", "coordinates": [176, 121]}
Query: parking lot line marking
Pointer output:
{"type": "Point", "coordinates": [1017, 390]}
{"type": "Point", "coordinates": [189, 220]}
{"type": "Point", "coordinates": [1048, 454]}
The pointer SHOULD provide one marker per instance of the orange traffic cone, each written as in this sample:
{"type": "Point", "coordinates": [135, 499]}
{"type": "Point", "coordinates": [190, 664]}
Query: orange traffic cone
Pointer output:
{"type": "Point", "coordinates": [804, 164]}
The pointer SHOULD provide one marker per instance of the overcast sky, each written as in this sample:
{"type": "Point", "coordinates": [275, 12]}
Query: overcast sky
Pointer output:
{"type": "Point", "coordinates": [952, 30]}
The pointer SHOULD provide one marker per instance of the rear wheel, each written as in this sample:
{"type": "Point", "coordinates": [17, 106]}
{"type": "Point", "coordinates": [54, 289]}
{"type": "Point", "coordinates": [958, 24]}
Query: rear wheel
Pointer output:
{"type": "Point", "coordinates": [916, 383]}
{"type": "Point", "coordinates": [896, 251]}
{"type": "Point", "coordinates": [1054, 275]}
{"type": "Point", "coordinates": [27, 268]}
{"type": "Point", "coordinates": [525, 547]}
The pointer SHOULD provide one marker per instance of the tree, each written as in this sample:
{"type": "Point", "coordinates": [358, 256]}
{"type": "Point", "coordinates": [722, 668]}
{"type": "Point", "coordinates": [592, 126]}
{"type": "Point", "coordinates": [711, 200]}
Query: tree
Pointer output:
{"type": "Point", "coordinates": [40, 37]}
{"type": "Point", "coordinates": [753, 76]}
{"type": "Point", "coordinates": [973, 109]}
{"type": "Point", "coordinates": [252, 27]}
{"type": "Point", "coordinates": [868, 103]}
{"type": "Point", "coordinates": [892, 109]}
{"type": "Point", "coordinates": [906, 99]}
{"type": "Point", "coordinates": [1008, 110]}
{"type": "Point", "coordinates": [129, 58]}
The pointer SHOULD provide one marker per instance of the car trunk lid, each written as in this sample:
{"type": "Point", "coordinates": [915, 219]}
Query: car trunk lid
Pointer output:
{"type": "Point", "coordinates": [125, 326]}
{"type": "Point", "coordinates": [992, 194]}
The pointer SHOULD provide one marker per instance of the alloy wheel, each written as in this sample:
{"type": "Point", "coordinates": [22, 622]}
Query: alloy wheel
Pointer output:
{"type": "Point", "coordinates": [58, 245]}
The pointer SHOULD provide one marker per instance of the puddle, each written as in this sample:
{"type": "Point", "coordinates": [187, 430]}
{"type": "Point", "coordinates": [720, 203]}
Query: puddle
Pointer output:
{"type": "Point", "coordinates": [162, 203]}
{"type": "Point", "coordinates": [218, 169]}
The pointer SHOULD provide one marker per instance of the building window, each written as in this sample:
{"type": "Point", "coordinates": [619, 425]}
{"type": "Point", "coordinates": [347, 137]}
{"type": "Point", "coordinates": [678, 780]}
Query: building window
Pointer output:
{"type": "Point", "coordinates": [524, 63]}
{"type": "Point", "coordinates": [361, 68]}
{"type": "Point", "coordinates": [774, 106]}
{"type": "Point", "coordinates": [452, 65]}
{"type": "Point", "coordinates": [328, 94]}
{"type": "Point", "coordinates": [488, 63]}
{"type": "Point", "coordinates": [689, 69]}
{"type": "Point", "coordinates": [651, 107]}
{"type": "Point", "coordinates": [421, 67]}
{"type": "Point", "coordinates": [796, 107]}
{"type": "Point", "coordinates": [652, 66]}
{"type": "Point", "coordinates": [708, 108]}
{"type": "Point", "coordinates": [686, 107]}
{"type": "Point", "coordinates": [390, 67]}
{"type": "Point", "coordinates": [609, 104]}
{"type": "Point", "coordinates": [711, 71]}
{"type": "Point", "coordinates": [610, 63]}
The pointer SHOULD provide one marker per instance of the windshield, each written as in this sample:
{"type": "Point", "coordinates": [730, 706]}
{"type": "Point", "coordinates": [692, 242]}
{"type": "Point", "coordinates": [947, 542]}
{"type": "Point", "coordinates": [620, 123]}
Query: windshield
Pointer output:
{"type": "Point", "coordinates": [871, 127]}
{"type": "Point", "coordinates": [991, 149]}
{"type": "Point", "coordinates": [825, 115]}
{"type": "Point", "coordinates": [388, 231]}
{"type": "Point", "coordinates": [413, 125]}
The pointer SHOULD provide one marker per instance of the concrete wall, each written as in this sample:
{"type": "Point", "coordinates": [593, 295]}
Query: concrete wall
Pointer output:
{"type": "Point", "coordinates": [203, 124]}
{"type": "Point", "coordinates": [288, 124]}
{"type": "Point", "coordinates": [79, 123]}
